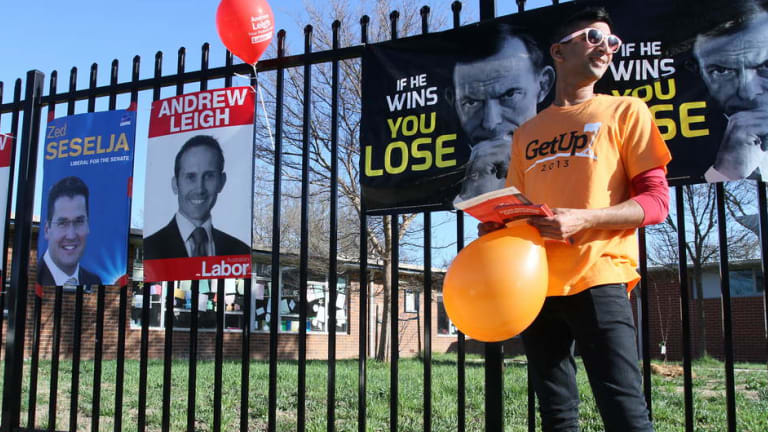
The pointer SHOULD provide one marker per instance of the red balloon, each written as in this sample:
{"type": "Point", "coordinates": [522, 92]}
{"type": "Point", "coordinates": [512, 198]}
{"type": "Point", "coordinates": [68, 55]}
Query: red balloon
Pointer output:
{"type": "Point", "coordinates": [496, 286]}
{"type": "Point", "coordinates": [245, 27]}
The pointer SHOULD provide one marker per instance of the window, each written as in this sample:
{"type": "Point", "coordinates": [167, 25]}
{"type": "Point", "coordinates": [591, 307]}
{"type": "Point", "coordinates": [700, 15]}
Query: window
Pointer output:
{"type": "Point", "coordinates": [444, 324]}
{"type": "Point", "coordinates": [262, 303]}
{"type": "Point", "coordinates": [7, 286]}
{"type": "Point", "coordinates": [411, 301]}
{"type": "Point", "coordinates": [155, 305]}
{"type": "Point", "coordinates": [743, 283]}
{"type": "Point", "coordinates": [183, 307]}
{"type": "Point", "coordinates": [137, 268]}
{"type": "Point", "coordinates": [207, 303]}
{"type": "Point", "coordinates": [261, 296]}
{"type": "Point", "coordinates": [138, 255]}
{"type": "Point", "coordinates": [318, 303]}
{"type": "Point", "coordinates": [289, 300]}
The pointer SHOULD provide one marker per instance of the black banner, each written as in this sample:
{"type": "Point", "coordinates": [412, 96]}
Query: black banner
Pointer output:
{"type": "Point", "coordinates": [439, 110]}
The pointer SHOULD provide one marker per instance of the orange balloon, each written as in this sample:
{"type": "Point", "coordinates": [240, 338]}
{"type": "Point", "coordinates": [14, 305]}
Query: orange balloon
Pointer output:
{"type": "Point", "coordinates": [496, 286]}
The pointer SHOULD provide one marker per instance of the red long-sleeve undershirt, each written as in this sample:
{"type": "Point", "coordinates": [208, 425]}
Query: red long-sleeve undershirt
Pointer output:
{"type": "Point", "coordinates": [651, 191]}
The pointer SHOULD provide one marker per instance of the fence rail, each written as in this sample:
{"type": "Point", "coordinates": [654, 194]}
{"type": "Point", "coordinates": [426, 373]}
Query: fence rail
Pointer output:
{"type": "Point", "coordinates": [30, 106]}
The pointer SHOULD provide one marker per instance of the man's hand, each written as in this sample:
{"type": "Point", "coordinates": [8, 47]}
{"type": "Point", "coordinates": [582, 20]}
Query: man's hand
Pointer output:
{"type": "Point", "coordinates": [744, 144]}
{"type": "Point", "coordinates": [486, 227]}
{"type": "Point", "coordinates": [487, 168]}
{"type": "Point", "coordinates": [563, 225]}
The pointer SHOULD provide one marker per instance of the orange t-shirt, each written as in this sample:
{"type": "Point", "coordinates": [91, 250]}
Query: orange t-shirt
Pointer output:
{"type": "Point", "coordinates": [584, 156]}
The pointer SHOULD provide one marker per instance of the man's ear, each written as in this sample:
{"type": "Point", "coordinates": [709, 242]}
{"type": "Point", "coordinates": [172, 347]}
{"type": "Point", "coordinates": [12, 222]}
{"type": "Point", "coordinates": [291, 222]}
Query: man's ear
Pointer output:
{"type": "Point", "coordinates": [173, 186]}
{"type": "Point", "coordinates": [46, 228]}
{"type": "Point", "coordinates": [450, 95]}
{"type": "Point", "coordinates": [556, 51]}
{"type": "Point", "coordinates": [223, 181]}
{"type": "Point", "coordinates": [546, 81]}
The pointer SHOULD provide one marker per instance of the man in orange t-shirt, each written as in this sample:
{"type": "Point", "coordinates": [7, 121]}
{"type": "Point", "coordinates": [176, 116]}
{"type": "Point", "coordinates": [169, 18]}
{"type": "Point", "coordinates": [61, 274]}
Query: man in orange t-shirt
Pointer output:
{"type": "Point", "coordinates": [599, 162]}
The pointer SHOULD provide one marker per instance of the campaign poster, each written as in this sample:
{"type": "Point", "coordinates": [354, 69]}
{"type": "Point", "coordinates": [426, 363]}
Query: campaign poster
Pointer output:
{"type": "Point", "coordinates": [197, 208]}
{"type": "Point", "coordinates": [86, 202]}
{"type": "Point", "coordinates": [439, 110]}
{"type": "Point", "coordinates": [700, 67]}
{"type": "Point", "coordinates": [6, 149]}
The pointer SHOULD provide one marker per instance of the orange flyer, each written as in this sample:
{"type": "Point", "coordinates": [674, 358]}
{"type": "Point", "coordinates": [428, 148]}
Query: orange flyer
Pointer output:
{"type": "Point", "coordinates": [502, 206]}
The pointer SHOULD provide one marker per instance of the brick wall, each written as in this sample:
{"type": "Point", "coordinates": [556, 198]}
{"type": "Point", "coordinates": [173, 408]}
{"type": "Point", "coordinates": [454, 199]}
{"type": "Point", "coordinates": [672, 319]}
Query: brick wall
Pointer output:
{"type": "Point", "coordinates": [664, 317]}
{"type": "Point", "coordinates": [747, 316]}
{"type": "Point", "coordinates": [347, 345]}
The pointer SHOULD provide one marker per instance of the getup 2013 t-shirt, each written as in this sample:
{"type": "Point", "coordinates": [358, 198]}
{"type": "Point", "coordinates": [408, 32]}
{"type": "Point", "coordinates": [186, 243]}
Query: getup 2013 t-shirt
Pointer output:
{"type": "Point", "coordinates": [584, 156]}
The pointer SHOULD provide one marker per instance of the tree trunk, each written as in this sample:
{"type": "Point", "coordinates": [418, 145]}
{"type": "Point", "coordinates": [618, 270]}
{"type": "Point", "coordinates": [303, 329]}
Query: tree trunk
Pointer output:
{"type": "Point", "coordinates": [418, 328]}
{"type": "Point", "coordinates": [701, 319]}
{"type": "Point", "coordinates": [381, 352]}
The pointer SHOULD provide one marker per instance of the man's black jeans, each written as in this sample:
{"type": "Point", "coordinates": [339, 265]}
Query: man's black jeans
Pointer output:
{"type": "Point", "coordinates": [600, 321]}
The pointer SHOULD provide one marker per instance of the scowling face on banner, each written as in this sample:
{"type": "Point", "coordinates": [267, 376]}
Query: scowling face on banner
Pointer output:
{"type": "Point", "coordinates": [733, 61]}
{"type": "Point", "coordinates": [495, 91]}
{"type": "Point", "coordinates": [448, 113]}
{"type": "Point", "coordinates": [439, 110]}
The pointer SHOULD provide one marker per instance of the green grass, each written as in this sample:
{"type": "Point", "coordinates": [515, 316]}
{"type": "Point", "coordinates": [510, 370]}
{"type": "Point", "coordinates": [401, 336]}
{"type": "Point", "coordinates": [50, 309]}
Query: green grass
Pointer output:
{"type": "Point", "coordinates": [668, 406]}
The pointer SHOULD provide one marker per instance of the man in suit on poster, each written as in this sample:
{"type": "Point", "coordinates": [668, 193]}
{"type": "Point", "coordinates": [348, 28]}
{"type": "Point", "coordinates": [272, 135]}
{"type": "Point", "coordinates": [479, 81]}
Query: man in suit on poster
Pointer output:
{"type": "Point", "coordinates": [66, 229]}
{"type": "Point", "coordinates": [496, 89]}
{"type": "Point", "coordinates": [732, 59]}
{"type": "Point", "coordinates": [198, 178]}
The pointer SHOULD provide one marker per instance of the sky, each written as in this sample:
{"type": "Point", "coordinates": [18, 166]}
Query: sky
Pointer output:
{"type": "Point", "coordinates": [50, 35]}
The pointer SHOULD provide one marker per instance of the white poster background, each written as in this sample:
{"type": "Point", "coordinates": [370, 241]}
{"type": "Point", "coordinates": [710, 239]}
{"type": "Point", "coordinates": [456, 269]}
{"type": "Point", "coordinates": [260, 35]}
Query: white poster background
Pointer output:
{"type": "Point", "coordinates": [5, 173]}
{"type": "Point", "coordinates": [6, 143]}
{"type": "Point", "coordinates": [232, 211]}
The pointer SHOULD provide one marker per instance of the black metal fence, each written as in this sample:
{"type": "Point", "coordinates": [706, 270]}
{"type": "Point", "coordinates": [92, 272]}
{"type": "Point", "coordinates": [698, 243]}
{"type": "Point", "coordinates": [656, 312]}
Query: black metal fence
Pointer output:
{"type": "Point", "coordinates": [28, 106]}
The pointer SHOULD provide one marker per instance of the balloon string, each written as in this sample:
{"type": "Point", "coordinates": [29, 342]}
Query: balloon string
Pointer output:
{"type": "Point", "coordinates": [266, 119]}
{"type": "Point", "coordinates": [264, 108]}
{"type": "Point", "coordinates": [261, 99]}
{"type": "Point", "coordinates": [246, 77]}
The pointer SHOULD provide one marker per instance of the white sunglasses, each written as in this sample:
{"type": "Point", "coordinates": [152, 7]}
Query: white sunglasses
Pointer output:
{"type": "Point", "coordinates": [595, 37]}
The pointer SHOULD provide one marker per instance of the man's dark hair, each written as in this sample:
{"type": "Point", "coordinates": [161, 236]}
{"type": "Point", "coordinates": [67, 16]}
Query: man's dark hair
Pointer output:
{"type": "Point", "coordinates": [69, 187]}
{"type": "Point", "coordinates": [574, 22]}
{"type": "Point", "coordinates": [708, 18]}
{"type": "Point", "coordinates": [199, 141]}
{"type": "Point", "coordinates": [736, 18]}
{"type": "Point", "coordinates": [496, 37]}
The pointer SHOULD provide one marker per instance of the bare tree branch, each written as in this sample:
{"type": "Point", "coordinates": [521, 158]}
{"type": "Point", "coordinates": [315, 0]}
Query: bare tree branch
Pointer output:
{"type": "Point", "coordinates": [320, 145]}
{"type": "Point", "coordinates": [702, 237]}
